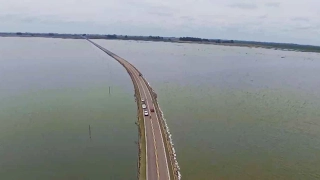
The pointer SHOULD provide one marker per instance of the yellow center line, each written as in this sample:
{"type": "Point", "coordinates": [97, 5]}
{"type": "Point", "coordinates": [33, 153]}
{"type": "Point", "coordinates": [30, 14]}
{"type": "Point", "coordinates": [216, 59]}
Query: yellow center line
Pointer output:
{"type": "Point", "coordinates": [156, 151]}
{"type": "Point", "coordinates": [154, 139]}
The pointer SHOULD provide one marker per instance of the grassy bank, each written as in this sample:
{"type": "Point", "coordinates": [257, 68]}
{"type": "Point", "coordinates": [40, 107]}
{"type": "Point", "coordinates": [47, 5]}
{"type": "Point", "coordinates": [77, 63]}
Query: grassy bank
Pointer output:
{"type": "Point", "coordinates": [168, 149]}
{"type": "Point", "coordinates": [140, 123]}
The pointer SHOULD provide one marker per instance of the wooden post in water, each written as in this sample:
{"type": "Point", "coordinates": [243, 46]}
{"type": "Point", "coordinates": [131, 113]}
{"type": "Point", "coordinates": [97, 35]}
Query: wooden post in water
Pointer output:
{"type": "Point", "coordinates": [89, 132]}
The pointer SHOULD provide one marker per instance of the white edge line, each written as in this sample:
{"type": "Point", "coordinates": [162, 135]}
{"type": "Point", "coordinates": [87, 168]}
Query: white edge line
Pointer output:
{"type": "Point", "coordinates": [165, 155]}
{"type": "Point", "coordinates": [145, 134]}
{"type": "Point", "coordinates": [145, 129]}
{"type": "Point", "coordinates": [159, 129]}
{"type": "Point", "coordinates": [144, 119]}
{"type": "Point", "coordinates": [144, 92]}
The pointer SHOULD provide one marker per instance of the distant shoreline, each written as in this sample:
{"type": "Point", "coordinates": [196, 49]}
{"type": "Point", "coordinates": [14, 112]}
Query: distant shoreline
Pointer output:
{"type": "Point", "coordinates": [189, 40]}
{"type": "Point", "coordinates": [254, 46]}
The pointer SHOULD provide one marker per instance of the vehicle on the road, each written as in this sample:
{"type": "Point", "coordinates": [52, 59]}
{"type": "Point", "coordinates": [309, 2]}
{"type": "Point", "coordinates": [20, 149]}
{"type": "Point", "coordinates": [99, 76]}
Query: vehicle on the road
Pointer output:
{"type": "Point", "coordinates": [146, 113]}
{"type": "Point", "coordinates": [144, 106]}
{"type": "Point", "coordinates": [152, 109]}
{"type": "Point", "coordinates": [142, 100]}
{"type": "Point", "coordinates": [140, 74]}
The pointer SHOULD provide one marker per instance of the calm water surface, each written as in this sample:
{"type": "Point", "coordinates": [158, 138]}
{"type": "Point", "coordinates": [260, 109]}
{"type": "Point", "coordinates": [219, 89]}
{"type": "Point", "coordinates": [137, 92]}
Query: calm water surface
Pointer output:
{"type": "Point", "coordinates": [234, 112]}
{"type": "Point", "coordinates": [51, 90]}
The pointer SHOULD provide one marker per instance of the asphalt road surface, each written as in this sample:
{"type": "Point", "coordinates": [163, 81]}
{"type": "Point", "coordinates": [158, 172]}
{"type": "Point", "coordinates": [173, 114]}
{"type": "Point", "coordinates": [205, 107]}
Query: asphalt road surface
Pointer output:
{"type": "Point", "coordinates": [156, 159]}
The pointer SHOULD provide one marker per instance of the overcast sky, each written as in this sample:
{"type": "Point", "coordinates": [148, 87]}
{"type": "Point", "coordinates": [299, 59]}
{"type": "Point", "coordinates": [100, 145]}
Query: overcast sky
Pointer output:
{"type": "Point", "coordinates": [294, 21]}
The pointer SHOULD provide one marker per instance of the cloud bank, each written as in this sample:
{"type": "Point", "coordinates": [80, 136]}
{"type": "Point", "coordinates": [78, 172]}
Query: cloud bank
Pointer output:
{"type": "Point", "coordinates": [259, 20]}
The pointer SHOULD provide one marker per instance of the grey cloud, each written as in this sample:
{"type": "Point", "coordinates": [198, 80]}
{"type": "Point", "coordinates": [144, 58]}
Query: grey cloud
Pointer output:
{"type": "Point", "coordinates": [308, 27]}
{"type": "Point", "coordinates": [304, 28]}
{"type": "Point", "coordinates": [8, 17]}
{"type": "Point", "coordinates": [260, 20]}
{"type": "Point", "coordinates": [244, 5]}
{"type": "Point", "coordinates": [262, 17]}
{"type": "Point", "coordinates": [165, 14]}
{"type": "Point", "coordinates": [152, 7]}
{"type": "Point", "coordinates": [312, 29]}
{"type": "Point", "coordinates": [29, 20]}
{"type": "Point", "coordinates": [188, 18]}
{"type": "Point", "coordinates": [272, 4]}
{"type": "Point", "coordinates": [300, 19]}
{"type": "Point", "coordinates": [17, 18]}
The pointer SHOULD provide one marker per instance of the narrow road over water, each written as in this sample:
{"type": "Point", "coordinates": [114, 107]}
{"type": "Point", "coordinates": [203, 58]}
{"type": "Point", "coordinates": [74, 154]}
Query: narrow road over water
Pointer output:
{"type": "Point", "coordinates": [156, 159]}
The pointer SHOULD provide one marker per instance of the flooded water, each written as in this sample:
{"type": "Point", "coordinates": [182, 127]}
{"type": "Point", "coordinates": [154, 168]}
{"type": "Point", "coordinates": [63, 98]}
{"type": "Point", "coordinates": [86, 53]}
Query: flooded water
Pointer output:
{"type": "Point", "coordinates": [51, 90]}
{"type": "Point", "coordinates": [235, 112]}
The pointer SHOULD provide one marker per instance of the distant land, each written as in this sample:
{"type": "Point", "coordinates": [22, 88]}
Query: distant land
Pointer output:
{"type": "Point", "coordinates": [269, 45]}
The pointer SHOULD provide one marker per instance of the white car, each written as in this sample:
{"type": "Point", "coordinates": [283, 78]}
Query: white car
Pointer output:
{"type": "Point", "coordinates": [144, 106]}
{"type": "Point", "coordinates": [146, 113]}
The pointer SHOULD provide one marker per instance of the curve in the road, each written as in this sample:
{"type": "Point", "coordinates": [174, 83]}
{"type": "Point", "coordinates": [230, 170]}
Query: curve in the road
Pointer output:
{"type": "Point", "coordinates": [156, 159]}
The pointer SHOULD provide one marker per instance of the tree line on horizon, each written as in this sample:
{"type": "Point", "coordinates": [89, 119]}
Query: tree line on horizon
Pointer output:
{"type": "Point", "coordinates": [205, 40]}
{"type": "Point", "coordinates": [307, 48]}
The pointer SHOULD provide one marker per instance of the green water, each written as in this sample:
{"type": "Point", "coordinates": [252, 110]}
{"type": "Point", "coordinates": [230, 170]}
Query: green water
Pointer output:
{"type": "Point", "coordinates": [51, 91]}
{"type": "Point", "coordinates": [243, 135]}
{"type": "Point", "coordinates": [235, 113]}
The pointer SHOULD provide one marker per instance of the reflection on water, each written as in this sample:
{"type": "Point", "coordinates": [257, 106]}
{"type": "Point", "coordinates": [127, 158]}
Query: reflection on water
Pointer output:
{"type": "Point", "coordinates": [234, 112]}
{"type": "Point", "coordinates": [51, 90]}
